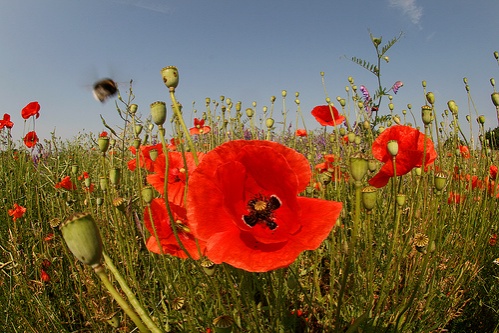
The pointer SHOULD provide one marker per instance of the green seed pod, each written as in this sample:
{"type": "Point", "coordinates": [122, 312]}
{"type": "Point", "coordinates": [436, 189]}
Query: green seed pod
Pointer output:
{"type": "Point", "coordinates": [269, 123]}
{"type": "Point", "coordinates": [430, 97]}
{"type": "Point", "coordinates": [170, 76]}
{"type": "Point", "coordinates": [83, 239]}
{"type": "Point", "coordinates": [396, 119]}
{"type": "Point", "coordinates": [158, 112]}
{"type": "Point", "coordinates": [496, 55]}
{"type": "Point", "coordinates": [493, 82]}
{"type": "Point", "coordinates": [423, 83]}
{"type": "Point", "coordinates": [208, 267]}
{"type": "Point", "coordinates": [481, 119]}
{"type": "Point", "coordinates": [133, 109]}
{"type": "Point", "coordinates": [115, 176]}
{"type": "Point", "coordinates": [103, 183]}
{"type": "Point", "coordinates": [250, 112]}
{"type": "Point", "coordinates": [87, 182]}
{"type": "Point", "coordinates": [138, 129]}
{"type": "Point", "coordinates": [372, 164]}
{"type": "Point", "coordinates": [343, 131]}
{"type": "Point", "coordinates": [153, 154]}
{"type": "Point", "coordinates": [369, 195]}
{"type": "Point", "coordinates": [136, 143]}
{"type": "Point", "coordinates": [284, 93]}
{"type": "Point", "coordinates": [351, 137]}
{"type": "Point", "coordinates": [421, 242]}
{"type": "Point", "coordinates": [100, 201]}
{"type": "Point", "coordinates": [358, 166]}
{"type": "Point", "coordinates": [427, 114]}
{"type": "Point", "coordinates": [400, 199]}
{"type": "Point", "coordinates": [103, 143]}
{"type": "Point", "coordinates": [342, 102]}
{"type": "Point", "coordinates": [495, 98]}
{"type": "Point", "coordinates": [440, 180]}
{"type": "Point", "coordinates": [393, 147]}
{"type": "Point", "coordinates": [453, 107]}
{"type": "Point", "coordinates": [391, 106]}
{"type": "Point", "coordinates": [468, 118]}
{"type": "Point", "coordinates": [74, 169]}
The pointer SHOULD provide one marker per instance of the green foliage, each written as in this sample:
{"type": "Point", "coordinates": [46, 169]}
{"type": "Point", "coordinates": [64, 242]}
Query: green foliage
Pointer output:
{"type": "Point", "coordinates": [492, 137]}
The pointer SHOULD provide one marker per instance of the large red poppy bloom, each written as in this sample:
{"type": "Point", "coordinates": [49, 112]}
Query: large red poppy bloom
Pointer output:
{"type": "Point", "coordinates": [411, 147]}
{"type": "Point", "coordinates": [199, 127]}
{"type": "Point", "coordinates": [145, 159]}
{"type": "Point", "coordinates": [5, 122]}
{"type": "Point", "coordinates": [30, 139]}
{"type": "Point", "coordinates": [243, 202]}
{"type": "Point", "coordinates": [178, 166]}
{"type": "Point", "coordinates": [17, 212]}
{"type": "Point", "coordinates": [166, 241]}
{"type": "Point", "coordinates": [32, 109]}
{"type": "Point", "coordinates": [327, 115]}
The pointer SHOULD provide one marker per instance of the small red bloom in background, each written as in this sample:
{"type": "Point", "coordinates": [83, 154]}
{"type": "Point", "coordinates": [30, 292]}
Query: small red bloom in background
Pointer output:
{"type": "Point", "coordinates": [243, 202]}
{"type": "Point", "coordinates": [327, 115]}
{"type": "Point", "coordinates": [411, 147]}
{"type": "Point", "coordinates": [493, 240]}
{"type": "Point", "coordinates": [301, 132]}
{"type": "Point", "coordinates": [163, 229]}
{"type": "Point", "coordinates": [327, 164]}
{"type": "Point", "coordinates": [145, 159]}
{"type": "Point", "coordinates": [49, 237]}
{"type": "Point", "coordinates": [464, 151]}
{"type": "Point", "coordinates": [66, 184]}
{"type": "Point", "coordinates": [17, 212]}
{"type": "Point", "coordinates": [199, 127]}
{"type": "Point", "coordinates": [84, 176]}
{"type": "Point", "coordinates": [493, 172]}
{"type": "Point", "coordinates": [455, 198]}
{"type": "Point", "coordinates": [5, 122]}
{"type": "Point", "coordinates": [177, 174]}
{"type": "Point", "coordinates": [44, 276]}
{"type": "Point", "coordinates": [30, 139]}
{"type": "Point", "coordinates": [32, 109]}
{"type": "Point", "coordinates": [103, 134]}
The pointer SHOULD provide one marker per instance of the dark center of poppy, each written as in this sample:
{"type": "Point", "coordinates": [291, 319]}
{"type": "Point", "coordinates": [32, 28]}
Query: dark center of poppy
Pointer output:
{"type": "Point", "coordinates": [261, 209]}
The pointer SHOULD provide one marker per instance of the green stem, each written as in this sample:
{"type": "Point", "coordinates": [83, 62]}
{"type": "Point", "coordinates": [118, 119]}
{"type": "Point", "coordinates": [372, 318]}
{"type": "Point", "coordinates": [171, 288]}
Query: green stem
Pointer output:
{"type": "Point", "coordinates": [121, 301]}
{"type": "Point", "coordinates": [131, 297]}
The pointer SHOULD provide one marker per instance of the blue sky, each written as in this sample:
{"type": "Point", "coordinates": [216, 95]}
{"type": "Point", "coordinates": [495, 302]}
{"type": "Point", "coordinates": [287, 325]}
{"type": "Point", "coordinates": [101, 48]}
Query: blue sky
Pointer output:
{"type": "Point", "coordinates": [53, 50]}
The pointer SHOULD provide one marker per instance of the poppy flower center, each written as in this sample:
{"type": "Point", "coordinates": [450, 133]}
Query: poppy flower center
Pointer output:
{"type": "Point", "coordinates": [261, 209]}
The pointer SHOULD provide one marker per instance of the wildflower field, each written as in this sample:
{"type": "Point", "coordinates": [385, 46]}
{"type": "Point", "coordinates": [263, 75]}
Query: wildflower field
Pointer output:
{"type": "Point", "coordinates": [247, 221]}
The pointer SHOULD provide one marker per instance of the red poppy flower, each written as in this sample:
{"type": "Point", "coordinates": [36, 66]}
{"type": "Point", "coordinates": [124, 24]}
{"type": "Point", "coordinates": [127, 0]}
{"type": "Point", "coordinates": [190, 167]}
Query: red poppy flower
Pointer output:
{"type": "Point", "coordinates": [32, 109]}
{"type": "Point", "coordinates": [301, 132]}
{"type": "Point", "coordinates": [17, 212]}
{"type": "Point", "coordinates": [327, 165]}
{"type": "Point", "coordinates": [49, 237]}
{"type": "Point", "coordinates": [167, 241]}
{"type": "Point", "coordinates": [464, 151]}
{"type": "Point", "coordinates": [455, 198]}
{"type": "Point", "coordinates": [327, 115]}
{"type": "Point", "coordinates": [44, 276]}
{"type": "Point", "coordinates": [145, 159]}
{"type": "Point", "coordinates": [411, 147]}
{"type": "Point", "coordinates": [66, 184]}
{"type": "Point", "coordinates": [493, 240]}
{"type": "Point", "coordinates": [199, 127]}
{"type": "Point", "coordinates": [103, 134]}
{"type": "Point", "coordinates": [493, 172]}
{"type": "Point", "coordinates": [84, 176]}
{"type": "Point", "coordinates": [243, 203]}
{"type": "Point", "coordinates": [177, 170]}
{"type": "Point", "coordinates": [30, 139]}
{"type": "Point", "coordinates": [5, 122]}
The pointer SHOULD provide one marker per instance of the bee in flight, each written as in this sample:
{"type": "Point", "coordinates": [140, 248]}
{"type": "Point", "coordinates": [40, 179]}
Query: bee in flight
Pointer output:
{"type": "Point", "coordinates": [104, 89]}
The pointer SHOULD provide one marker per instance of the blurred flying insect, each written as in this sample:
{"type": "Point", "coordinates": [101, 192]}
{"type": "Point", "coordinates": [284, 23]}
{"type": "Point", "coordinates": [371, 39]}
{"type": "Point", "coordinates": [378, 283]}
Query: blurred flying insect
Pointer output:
{"type": "Point", "coordinates": [104, 89]}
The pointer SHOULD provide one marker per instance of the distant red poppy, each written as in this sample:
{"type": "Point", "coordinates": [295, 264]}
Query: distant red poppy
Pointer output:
{"type": "Point", "coordinates": [464, 151]}
{"type": "Point", "coordinates": [17, 212]}
{"type": "Point", "coordinates": [103, 134]}
{"type": "Point", "coordinates": [301, 132]}
{"type": "Point", "coordinates": [327, 165]}
{"type": "Point", "coordinates": [493, 172]}
{"type": "Point", "coordinates": [49, 237]}
{"type": "Point", "coordinates": [44, 276]}
{"type": "Point", "coordinates": [243, 202]}
{"type": "Point", "coordinates": [411, 147]}
{"type": "Point", "coordinates": [145, 160]}
{"type": "Point", "coordinates": [455, 198]}
{"type": "Point", "coordinates": [177, 174]}
{"type": "Point", "coordinates": [167, 241]}
{"type": "Point", "coordinates": [66, 184]}
{"type": "Point", "coordinates": [84, 176]}
{"type": "Point", "coordinates": [5, 122]}
{"type": "Point", "coordinates": [493, 240]}
{"type": "Point", "coordinates": [30, 139]}
{"type": "Point", "coordinates": [199, 127]}
{"type": "Point", "coordinates": [327, 115]}
{"type": "Point", "coordinates": [32, 109]}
